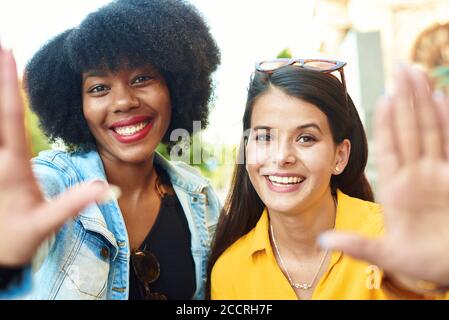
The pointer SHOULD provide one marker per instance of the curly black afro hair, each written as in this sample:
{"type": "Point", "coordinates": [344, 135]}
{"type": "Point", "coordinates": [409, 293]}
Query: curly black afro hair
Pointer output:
{"type": "Point", "coordinates": [168, 34]}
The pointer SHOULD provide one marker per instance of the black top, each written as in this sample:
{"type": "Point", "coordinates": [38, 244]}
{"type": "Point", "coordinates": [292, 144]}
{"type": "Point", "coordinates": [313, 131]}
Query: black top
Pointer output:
{"type": "Point", "coordinates": [10, 276]}
{"type": "Point", "coordinates": [169, 241]}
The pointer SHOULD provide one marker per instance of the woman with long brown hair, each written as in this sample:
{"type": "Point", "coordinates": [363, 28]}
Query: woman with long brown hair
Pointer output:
{"type": "Point", "coordinates": [303, 174]}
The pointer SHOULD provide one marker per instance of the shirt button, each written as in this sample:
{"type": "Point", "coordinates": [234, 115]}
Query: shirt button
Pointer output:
{"type": "Point", "coordinates": [104, 252]}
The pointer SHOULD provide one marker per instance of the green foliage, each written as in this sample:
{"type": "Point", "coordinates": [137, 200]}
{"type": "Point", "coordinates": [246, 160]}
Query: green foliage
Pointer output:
{"type": "Point", "coordinates": [217, 163]}
{"type": "Point", "coordinates": [441, 74]}
{"type": "Point", "coordinates": [37, 139]}
{"type": "Point", "coordinates": [286, 53]}
{"type": "Point", "coordinates": [164, 151]}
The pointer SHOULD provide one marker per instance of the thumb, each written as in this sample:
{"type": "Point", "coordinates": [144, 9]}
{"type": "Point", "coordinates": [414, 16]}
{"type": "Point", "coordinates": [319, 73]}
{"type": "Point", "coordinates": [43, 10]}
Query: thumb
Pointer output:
{"type": "Point", "coordinates": [54, 213]}
{"type": "Point", "coordinates": [354, 245]}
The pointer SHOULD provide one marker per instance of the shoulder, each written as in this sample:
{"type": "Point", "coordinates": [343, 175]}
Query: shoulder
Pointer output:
{"type": "Point", "coordinates": [52, 163]}
{"type": "Point", "coordinates": [189, 183]}
{"type": "Point", "coordinates": [359, 215]}
{"type": "Point", "coordinates": [187, 169]}
{"type": "Point", "coordinates": [373, 217]}
{"type": "Point", "coordinates": [189, 172]}
{"type": "Point", "coordinates": [51, 157]}
{"type": "Point", "coordinates": [69, 162]}
{"type": "Point", "coordinates": [55, 171]}
{"type": "Point", "coordinates": [236, 254]}
{"type": "Point", "coordinates": [234, 272]}
{"type": "Point", "coordinates": [182, 174]}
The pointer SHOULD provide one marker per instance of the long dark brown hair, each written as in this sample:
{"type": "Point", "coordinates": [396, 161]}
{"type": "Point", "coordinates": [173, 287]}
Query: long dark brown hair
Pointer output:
{"type": "Point", "coordinates": [243, 207]}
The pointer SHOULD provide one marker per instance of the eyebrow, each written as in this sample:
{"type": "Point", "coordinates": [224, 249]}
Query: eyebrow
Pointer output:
{"type": "Point", "coordinates": [95, 73]}
{"type": "Point", "coordinates": [301, 127]}
{"type": "Point", "coordinates": [101, 73]}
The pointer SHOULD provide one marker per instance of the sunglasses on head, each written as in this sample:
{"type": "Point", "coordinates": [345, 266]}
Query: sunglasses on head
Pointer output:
{"type": "Point", "coordinates": [320, 65]}
{"type": "Point", "coordinates": [147, 270]}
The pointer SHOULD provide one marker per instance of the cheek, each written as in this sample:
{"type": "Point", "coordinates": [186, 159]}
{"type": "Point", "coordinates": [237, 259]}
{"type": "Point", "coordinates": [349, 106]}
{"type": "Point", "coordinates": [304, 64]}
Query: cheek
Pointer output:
{"type": "Point", "coordinates": [95, 117]}
{"type": "Point", "coordinates": [259, 154]}
{"type": "Point", "coordinates": [90, 119]}
{"type": "Point", "coordinates": [254, 176]}
{"type": "Point", "coordinates": [167, 113]}
{"type": "Point", "coordinates": [93, 113]}
{"type": "Point", "coordinates": [319, 164]}
{"type": "Point", "coordinates": [163, 100]}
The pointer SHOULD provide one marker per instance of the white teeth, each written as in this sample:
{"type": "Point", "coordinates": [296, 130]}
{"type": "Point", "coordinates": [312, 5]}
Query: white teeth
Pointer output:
{"type": "Point", "coordinates": [130, 130]}
{"type": "Point", "coordinates": [285, 180]}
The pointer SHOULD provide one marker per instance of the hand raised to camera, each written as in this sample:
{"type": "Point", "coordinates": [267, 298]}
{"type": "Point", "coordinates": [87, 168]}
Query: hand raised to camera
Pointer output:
{"type": "Point", "coordinates": [26, 219]}
{"type": "Point", "coordinates": [412, 156]}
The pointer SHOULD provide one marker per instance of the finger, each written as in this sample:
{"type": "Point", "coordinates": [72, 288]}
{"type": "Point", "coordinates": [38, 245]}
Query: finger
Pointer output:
{"type": "Point", "coordinates": [442, 108]}
{"type": "Point", "coordinates": [53, 214]}
{"type": "Point", "coordinates": [12, 126]}
{"type": "Point", "coordinates": [1, 89]}
{"type": "Point", "coordinates": [405, 122]}
{"type": "Point", "coordinates": [429, 128]}
{"type": "Point", "coordinates": [353, 245]}
{"type": "Point", "coordinates": [387, 154]}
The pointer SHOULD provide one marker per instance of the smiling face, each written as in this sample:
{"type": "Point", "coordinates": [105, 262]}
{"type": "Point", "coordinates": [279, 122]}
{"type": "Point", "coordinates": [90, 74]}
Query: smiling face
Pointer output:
{"type": "Point", "coordinates": [291, 155]}
{"type": "Point", "coordinates": [127, 112]}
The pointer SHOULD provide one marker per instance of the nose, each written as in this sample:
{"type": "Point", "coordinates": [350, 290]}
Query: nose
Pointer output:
{"type": "Point", "coordinates": [125, 99]}
{"type": "Point", "coordinates": [284, 155]}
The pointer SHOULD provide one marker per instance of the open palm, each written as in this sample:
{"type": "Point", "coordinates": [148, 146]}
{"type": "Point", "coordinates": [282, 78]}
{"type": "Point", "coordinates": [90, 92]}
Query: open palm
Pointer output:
{"type": "Point", "coordinates": [26, 219]}
{"type": "Point", "coordinates": [412, 156]}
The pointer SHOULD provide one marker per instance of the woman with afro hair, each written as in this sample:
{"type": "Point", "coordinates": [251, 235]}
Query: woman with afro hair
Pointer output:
{"type": "Point", "coordinates": [112, 89]}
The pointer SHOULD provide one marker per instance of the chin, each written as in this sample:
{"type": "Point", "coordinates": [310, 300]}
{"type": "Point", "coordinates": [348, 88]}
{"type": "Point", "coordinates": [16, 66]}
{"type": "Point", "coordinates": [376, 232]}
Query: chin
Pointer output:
{"type": "Point", "coordinates": [286, 211]}
{"type": "Point", "coordinates": [137, 157]}
{"type": "Point", "coordinates": [285, 203]}
{"type": "Point", "coordinates": [282, 206]}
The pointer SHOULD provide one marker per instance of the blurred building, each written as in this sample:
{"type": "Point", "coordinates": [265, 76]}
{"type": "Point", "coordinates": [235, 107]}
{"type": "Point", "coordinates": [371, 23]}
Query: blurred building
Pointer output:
{"type": "Point", "coordinates": [374, 35]}
{"type": "Point", "coordinates": [401, 23]}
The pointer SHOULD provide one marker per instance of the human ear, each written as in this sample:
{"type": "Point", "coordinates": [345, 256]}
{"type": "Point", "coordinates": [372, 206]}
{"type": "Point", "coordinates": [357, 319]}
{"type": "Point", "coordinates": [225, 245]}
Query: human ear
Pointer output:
{"type": "Point", "coordinates": [342, 154]}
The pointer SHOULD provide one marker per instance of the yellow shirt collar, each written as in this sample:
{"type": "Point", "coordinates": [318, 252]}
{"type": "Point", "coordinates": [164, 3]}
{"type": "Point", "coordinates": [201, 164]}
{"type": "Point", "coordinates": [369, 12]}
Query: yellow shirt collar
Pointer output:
{"type": "Point", "coordinates": [260, 277]}
{"type": "Point", "coordinates": [352, 214]}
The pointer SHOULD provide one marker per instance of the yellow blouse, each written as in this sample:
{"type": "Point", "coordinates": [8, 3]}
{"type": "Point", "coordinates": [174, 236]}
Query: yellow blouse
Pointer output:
{"type": "Point", "coordinates": [248, 269]}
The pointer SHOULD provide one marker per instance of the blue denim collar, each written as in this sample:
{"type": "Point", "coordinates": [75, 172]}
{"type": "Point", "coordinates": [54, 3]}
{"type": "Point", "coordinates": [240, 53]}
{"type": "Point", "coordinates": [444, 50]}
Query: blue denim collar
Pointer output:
{"type": "Point", "coordinates": [181, 175]}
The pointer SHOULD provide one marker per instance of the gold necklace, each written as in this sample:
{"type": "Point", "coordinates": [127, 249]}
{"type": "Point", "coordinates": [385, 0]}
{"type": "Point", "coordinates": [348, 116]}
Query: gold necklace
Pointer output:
{"type": "Point", "coordinates": [303, 286]}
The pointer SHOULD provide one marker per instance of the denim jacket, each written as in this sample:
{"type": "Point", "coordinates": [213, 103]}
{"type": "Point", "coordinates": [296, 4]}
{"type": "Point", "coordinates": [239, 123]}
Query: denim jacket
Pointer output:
{"type": "Point", "coordinates": [88, 258]}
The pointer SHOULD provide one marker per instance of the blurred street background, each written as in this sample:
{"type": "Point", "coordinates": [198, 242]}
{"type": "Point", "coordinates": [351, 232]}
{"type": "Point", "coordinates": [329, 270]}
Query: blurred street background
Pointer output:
{"type": "Point", "coordinates": [372, 36]}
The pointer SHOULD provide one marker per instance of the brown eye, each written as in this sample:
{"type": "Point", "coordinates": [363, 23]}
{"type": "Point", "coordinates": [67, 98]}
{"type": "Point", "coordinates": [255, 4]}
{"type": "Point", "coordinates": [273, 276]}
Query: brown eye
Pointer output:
{"type": "Point", "coordinates": [98, 89]}
{"type": "Point", "coordinates": [142, 79]}
{"type": "Point", "coordinates": [306, 139]}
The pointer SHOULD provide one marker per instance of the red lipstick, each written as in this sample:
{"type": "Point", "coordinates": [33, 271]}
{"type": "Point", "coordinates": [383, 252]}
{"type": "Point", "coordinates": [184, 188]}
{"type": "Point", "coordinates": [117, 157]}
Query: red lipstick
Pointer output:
{"type": "Point", "coordinates": [128, 122]}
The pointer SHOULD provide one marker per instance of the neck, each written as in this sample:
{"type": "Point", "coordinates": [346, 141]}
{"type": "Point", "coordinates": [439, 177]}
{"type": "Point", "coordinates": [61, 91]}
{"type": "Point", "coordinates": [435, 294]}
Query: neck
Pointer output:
{"type": "Point", "coordinates": [133, 179]}
{"type": "Point", "coordinates": [297, 232]}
